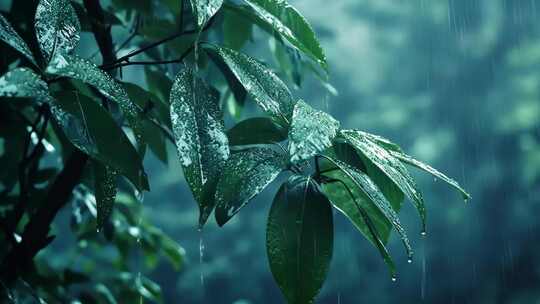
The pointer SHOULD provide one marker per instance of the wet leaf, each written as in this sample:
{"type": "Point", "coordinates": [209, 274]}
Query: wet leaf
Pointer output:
{"type": "Point", "coordinates": [245, 175]}
{"type": "Point", "coordinates": [270, 93]}
{"type": "Point", "coordinates": [311, 132]}
{"type": "Point", "coordinates": [299, 239]}
{"type": "Point", "coordinates": [364, 215]}
{"type": "Point", "coordinates": [389, 165]}
{"type": "Point", "coordinates": [427, 168]}
{"type": "Point", "coordinates": [57, 27]}
{"type": "Point", "coordinates": [105, 192]}
{"type": "Point", "coordinates": [22, 82]}
{"type": "Point", "coordinates": [200, 137]}
{"type": "Point", "coordinates": [87, 72]}
{"type": "Point", "coordinates": [205, 9]}
{"type": "Point", "coordinates": [10, 36]}
{"type": "Point", "coordinates": [289, 23]}
{"type": "Point", "coordinates": [257, 130]}
{"type": "Point", "coordinates": [91, 129]}
{"type": "Point", "coordinates": [375, 196]}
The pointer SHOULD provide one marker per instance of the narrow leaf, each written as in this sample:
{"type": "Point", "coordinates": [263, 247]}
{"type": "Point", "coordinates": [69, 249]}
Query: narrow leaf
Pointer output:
{"type": "Point", "coordinates": [364, 215]}
{"type": "Point", "coordinates": [22, 82]}
{"type": "Point", "coordinates": [270, 93]}
{"type": "Point", "coordinates": [376, 197]}
{"type": "Point", "coordinates": [200, 137]}
{"type": "Point", "coordinates": [257, 130]}
{"type": "Point", "coordinates": [311, 132]}
{"type": "Point", "coordinates": [105, 192]}
{"type": "Point", "coordinates": [299, 239]}
{"type": "Point", "coordinates": [427, 168]}
{"type": "Point", "coordinates": [289, 23]}
{"type": "Point", "coordinates": [57, 27]}
{"type": "Point", "coordinates": [10, 36]}
{"type": "Point", "coordinates": [391, 167]}
{"type": "Point", "coordinates": [245, 175]}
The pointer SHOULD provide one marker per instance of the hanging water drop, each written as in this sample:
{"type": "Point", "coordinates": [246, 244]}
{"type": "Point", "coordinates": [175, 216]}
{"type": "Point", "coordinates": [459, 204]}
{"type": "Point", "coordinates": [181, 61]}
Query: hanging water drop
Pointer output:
{"type": "Point", "coordinates": [423, 233]}
{"type": "Point", "coordinates": [394, 278]}
{"type": "Point", "coordinates": [409, 260]}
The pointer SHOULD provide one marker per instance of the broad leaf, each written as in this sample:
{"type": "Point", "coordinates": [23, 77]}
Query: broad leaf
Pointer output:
{"type": "Point", "coordinates": [200, 137]}
{"type": "Point", "coordinates": [299, 239]}
{"type": "Point", "coordinates": [376, 197]}
{"type": "Point", "coordinates": [270, 93]}
{"type": "Point", "coordinates": [149, 102]}
{"type": "Point", "coordinates": [91, 129]}
{"type": "Point", "coordinates": [289, 23]}
{"type": "Point", "coordinates": [10, 36]}
{"type": "Point", "coordinates": [22, 82]}
{"type": "Point", "coordinates": [158, 83]}
{"type": "Point", "coordinates": [257, 130]}
{"type": "Point", "coordinates": [245, 175]}
{"type": "Point", "coordinates": [390, 166]}
{"type": "Point", "coordinates": [205, 9]}
{"type": "Point", "coordinates": [105, 192]}
{"type": "Point", "coordinates": [311, 132]}
{"type": "Point", "coordinates": [85, 71]}
{"type": "Point", "coordinates": [57, 27]}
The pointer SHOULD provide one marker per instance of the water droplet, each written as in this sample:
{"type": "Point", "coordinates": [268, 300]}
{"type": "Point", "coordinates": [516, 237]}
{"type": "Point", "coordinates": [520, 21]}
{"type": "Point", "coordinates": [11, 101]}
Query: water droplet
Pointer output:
{"type": "Point", "coordinates": [423, 233]}
{"type": "Point", "coordinates": [409, 260]}
{"type": "Point", "coordinates": [394, 278]}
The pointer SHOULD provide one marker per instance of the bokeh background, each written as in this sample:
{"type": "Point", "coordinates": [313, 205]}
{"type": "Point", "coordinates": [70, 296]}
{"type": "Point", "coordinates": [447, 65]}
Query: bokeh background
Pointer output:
{"type": "Point", "coordinates": [457, 84]}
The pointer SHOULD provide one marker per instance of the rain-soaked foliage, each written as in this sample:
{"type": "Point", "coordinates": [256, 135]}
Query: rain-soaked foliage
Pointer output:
{"type": "Point", "coordinates": [302, 125]}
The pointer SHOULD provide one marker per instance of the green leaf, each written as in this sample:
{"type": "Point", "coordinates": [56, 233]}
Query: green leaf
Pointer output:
{"type": "Point", "coordinates": [364, 215]}
{"type": "Point", "coordinates": [389, 165]}
{"type": "Point", "coordinates": [147, 100]}
{"type": "Point", "coordinates": [376, 197]}
{"type": "Point", "coordinates": [200, 137]}
{"type": "Point", "coordinates": [10, 36]}
{"type": "Point", "coordinates": [234, 84]}
{"type": "Point", "coordinates": [245, 175]}
{"type": "Point", "coordinates": [257, 130]}
{"type": "Point", "coordinates": [289, 23]}
{"type": "Point", "coordinates": [22, 82]}
{"type": "Point", "coordinates": [57, 27]}
{"type": "Point", "coordinates": [158, 83]}
{"type": "Point", "coordinates": [311, 132]}
{"type": "Point", "coordinates": [87, 72]}
{"type": "Point", "coordinates": [299, 239]}
{"type": "Point", "coordinates": [91, 129]}
{"type": "Point", "coordinates": [270, 93]}
{"type": "Point", "coordinates": [204, 10]}
{"type": "Point", "coordinates": [105, 192]}
{"type": "Point", "coordinates": [236, 30]}
{"type": "Point", "coordinates": [427, 168]}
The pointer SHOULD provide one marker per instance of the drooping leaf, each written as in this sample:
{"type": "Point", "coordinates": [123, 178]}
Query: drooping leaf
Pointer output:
{"type": "Point", "coordinates": [245, 175]}
{"type": "Point", "coordinates": [200, 137]}
{"type": "Point", "coordinates": [205, 9]}
{"type": "Point", "coordinates": [270, 93]}
{"type": "Point", "coordinates": [91, 129]}
{"type": "Point", "coordinates": [289, 23]}
{"type": "Point", "coordinates": [427, 168]}
{"type": "Point", "coordinates": [311, 132]}
{"type": "Point", "coordinates": [149, 102]}
{"type": "Point", "coordinates": [257, 130]}
{"type": "Point", "coordinates": [299, 239]}
{"type": "Point", "coordinates": [389, 165]}
{"type": "Point", "coordinates": [364, 215]}
{"type": "Point", "coordinates": [10, 36]}
{"type": "Point", "coordinates": [105, 192]}
{"type": "Point", "coordinates": [376, 197]}
{"type": "Point", "coordinates": [57, 27]}
{"type": "Point", "coordinates": [87, 72]}
{"type": "Point", "coordinates": [22, 82]}
{"type": "Point", "coordinates": [235, 86]}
